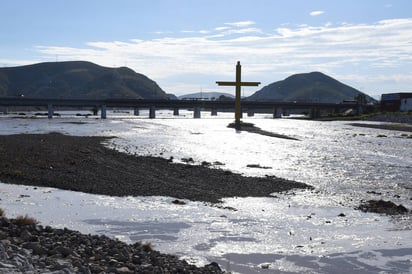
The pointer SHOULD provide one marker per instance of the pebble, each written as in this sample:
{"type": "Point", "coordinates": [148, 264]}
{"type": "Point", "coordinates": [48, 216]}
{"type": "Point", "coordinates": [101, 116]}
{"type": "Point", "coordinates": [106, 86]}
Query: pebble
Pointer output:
{"type": "Point", "coordinates": [33, 249]}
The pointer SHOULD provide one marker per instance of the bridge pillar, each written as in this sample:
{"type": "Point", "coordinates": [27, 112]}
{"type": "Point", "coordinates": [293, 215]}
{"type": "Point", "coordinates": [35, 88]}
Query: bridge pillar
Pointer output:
{"type": "Point", "coordinates": [175, 111]}
{"type": "Point", "coordinates": [359, 109]}
{"type": "Point", "coordinates": [277, 113]}
{"type": "Point", "coordinates": [152, 112]}
{"type": "Point", "coordinates": [196, 113]}
{"type": "Point", "coordinates": [136, 112]}
{"type": "Point", "coordinates": [103, 113]}
{"type": "Point", "coordinates": [49, 111]}
{"type": "Point", "coordinates": [315, 113]}
{"type": "Point", "coordinates": [250, 113]}
{"type": "Point", "coordinates": [95, 110]}
{"type": "Point", "coordinates": [5, 110]}
{"type": "Point", "coordinates": [214, 112]}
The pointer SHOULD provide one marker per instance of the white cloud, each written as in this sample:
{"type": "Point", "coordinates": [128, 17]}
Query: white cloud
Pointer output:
{"type": "Point", "coordinates": [241, 24]}
{"type": "Point", "coordinates": [241, 31]}
{"type": "Point", "coordinates": [316, 13]}
{"type": "Point", "coordinates": [383, 48]}
{"type": "Point", "coordinates": [221, 28]}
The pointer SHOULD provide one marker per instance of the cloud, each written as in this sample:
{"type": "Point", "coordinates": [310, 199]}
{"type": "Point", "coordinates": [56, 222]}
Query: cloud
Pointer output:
{"type": "Point", "coordinates": [241, 24]}
{"type": "Point", "coordinates": [221, 28]}
{"type": "Point", "coordinates": [316, 13]}
{"type": "Point", "coordinates": [382, 48]}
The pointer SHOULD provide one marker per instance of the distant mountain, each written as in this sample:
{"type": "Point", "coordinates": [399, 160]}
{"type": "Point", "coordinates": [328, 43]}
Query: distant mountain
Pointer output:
{"type": "Point", "coordinates": [206, 95]}
{"type": "Point", "coordinates": [309, 87]}
{"type": "Point", "coordinates": [77, 79]}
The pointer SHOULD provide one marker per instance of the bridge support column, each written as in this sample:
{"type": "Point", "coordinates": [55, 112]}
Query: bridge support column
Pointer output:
{"type": "Point", "coordinates": [103, 113]}
{"type": "Point", "coordinates": [5, 110]}
{"type": "Point", "coordinates": [152, 112]}
{"type": "Point", "coordinates": [359, 109]}
{"type": "Point", "coordinates": [277, 113]}
{"type": "Point", "coordinates": [196, 113]}
{"type": "Point", "coordinates": [315, 113]}
{"type": "Point", "coordinates": [95, 110]}
{"type": "Point", "coordinates": [49, 111]}
{"type": "Point", "coordinates": [214, 112]}
{"type": "Point", "coordinates": [176, 112]}
{"type": "Point", "coordinates": [136, 112]}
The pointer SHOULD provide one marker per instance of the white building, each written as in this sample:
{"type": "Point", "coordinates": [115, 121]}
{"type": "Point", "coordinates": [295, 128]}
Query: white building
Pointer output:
{"type": "Point", "coordinates": [406, 104]}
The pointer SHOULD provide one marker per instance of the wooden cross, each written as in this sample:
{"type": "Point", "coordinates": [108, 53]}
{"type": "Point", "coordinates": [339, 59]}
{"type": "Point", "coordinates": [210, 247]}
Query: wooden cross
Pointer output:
{"type": "Point", "coordinates": [238, 84]}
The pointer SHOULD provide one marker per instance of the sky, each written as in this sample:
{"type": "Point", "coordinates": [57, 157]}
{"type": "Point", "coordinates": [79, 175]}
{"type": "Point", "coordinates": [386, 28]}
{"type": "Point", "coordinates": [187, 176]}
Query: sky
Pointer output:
{"type": "Point", "coordinates": [188, 45]}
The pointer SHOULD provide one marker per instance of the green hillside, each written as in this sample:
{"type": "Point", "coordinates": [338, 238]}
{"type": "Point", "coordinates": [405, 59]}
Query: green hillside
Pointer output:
{"type": "Point", "coordinates": [308, 87]}
{"type": "Point", "coordinates": [77, 79]}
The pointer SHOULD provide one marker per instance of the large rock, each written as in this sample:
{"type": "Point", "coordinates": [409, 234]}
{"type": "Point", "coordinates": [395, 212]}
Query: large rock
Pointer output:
{"type": "Point", "coordinates": [381, 206]}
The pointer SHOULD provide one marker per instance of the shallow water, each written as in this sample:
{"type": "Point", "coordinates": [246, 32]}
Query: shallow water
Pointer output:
{"type": "Point", "coordinates": [293, 232]}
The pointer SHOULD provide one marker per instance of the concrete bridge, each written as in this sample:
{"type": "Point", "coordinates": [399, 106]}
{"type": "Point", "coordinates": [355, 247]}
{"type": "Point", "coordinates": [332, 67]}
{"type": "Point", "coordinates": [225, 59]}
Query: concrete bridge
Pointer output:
{"type": "Point", "coordinates": [249, 107]}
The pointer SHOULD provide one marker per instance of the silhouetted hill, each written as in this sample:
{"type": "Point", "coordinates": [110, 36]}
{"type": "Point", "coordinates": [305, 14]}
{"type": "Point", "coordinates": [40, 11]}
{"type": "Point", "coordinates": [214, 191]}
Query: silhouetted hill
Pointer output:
{"type": "Point", "coordinates": [206, 95]}
{"type": "Point", "coordinates": [77, 79]}
{"type": "Point", "coordinates": [309, 87]}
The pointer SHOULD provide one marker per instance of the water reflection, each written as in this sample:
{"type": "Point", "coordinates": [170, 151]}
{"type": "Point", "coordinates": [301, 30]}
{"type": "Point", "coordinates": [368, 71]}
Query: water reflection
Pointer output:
{"type": "Point", "coordinates": [303, 231]}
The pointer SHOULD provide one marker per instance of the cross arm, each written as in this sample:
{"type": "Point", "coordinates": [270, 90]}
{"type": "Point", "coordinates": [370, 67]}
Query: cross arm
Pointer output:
{"type": "Point", "coordinates": [224, 83]}
{"type": "Point", "coordinates": [250, 84]}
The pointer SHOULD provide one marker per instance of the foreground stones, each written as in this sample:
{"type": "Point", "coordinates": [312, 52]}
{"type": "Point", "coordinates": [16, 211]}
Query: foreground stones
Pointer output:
{"type": "Point", "coordinates": [32, 248]}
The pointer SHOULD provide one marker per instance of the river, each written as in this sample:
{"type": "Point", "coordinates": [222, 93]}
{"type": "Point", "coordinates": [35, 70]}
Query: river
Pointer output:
{"type": "Point", "coordinates": [302, 231]}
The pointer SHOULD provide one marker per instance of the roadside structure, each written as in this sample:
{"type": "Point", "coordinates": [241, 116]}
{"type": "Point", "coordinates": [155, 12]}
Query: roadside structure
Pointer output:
{"type": "Point", "coordinates": [401, 101]}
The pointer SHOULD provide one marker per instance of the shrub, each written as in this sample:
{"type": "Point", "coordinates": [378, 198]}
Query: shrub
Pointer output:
{"type": "Point", "coordinates": [25, 220]}
{"type": "Point", "coordinates": [147, 247]}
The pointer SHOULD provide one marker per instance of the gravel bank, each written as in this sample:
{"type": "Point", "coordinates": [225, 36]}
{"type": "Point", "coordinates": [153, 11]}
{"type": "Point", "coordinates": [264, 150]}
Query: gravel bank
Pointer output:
{"type": "Point", "coordinates": [32, 248]}
{"type": "Point", "coordinates": [392, 121]}
{"type": "Point", "coordinates": [391, 118]}
{"type": "Point", "coordinates": [84, 164]}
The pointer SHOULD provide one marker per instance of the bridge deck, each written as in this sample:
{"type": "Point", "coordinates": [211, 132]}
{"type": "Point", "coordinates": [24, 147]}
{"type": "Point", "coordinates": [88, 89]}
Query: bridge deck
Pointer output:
{"type": "Point", "coordinates": [145, 103]}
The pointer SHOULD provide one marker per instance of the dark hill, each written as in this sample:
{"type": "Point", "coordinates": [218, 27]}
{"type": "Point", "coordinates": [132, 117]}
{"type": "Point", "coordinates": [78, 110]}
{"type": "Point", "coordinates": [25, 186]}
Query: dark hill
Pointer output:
{"type": "Point", "coordinates": [77, 79]}
{"type": "Point", "coordinates": [206, 95]}
{"type": "Point", "coordinates": [308, 87]}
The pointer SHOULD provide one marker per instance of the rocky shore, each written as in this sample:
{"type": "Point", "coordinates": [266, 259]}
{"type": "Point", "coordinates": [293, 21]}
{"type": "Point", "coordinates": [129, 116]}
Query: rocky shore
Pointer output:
{"type": "Point", "coordinates": [391, 118]}
{"type": "Point", "coordinates": [26, 247]}
{"type": "Point", "coordinates": [84, 164]}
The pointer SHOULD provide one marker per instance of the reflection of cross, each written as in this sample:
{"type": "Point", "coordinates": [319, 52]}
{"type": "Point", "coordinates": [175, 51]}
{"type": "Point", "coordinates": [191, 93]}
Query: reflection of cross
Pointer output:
{"type": "Point", "coordinates": [238, 83]}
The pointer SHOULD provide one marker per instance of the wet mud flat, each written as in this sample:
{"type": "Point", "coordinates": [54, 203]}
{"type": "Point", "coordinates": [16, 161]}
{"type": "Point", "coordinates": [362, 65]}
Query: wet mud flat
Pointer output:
{"type": "Point", "coordinates": [84, 164]}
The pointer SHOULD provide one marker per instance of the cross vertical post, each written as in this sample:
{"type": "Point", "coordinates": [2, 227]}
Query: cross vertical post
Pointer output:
{"type": "Point", "coordinates": [238, 84]}
{"type": "Point", "coordinates": [238, 107]}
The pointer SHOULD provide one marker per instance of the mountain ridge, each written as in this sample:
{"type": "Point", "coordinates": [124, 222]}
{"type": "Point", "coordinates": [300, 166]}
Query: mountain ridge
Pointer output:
{"type": "Point", "coordinates": [77, 79]}
{"type": "Point", "coordinates": [309, 87]}
{"type": "Point", "coordinates": [207, 95]}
